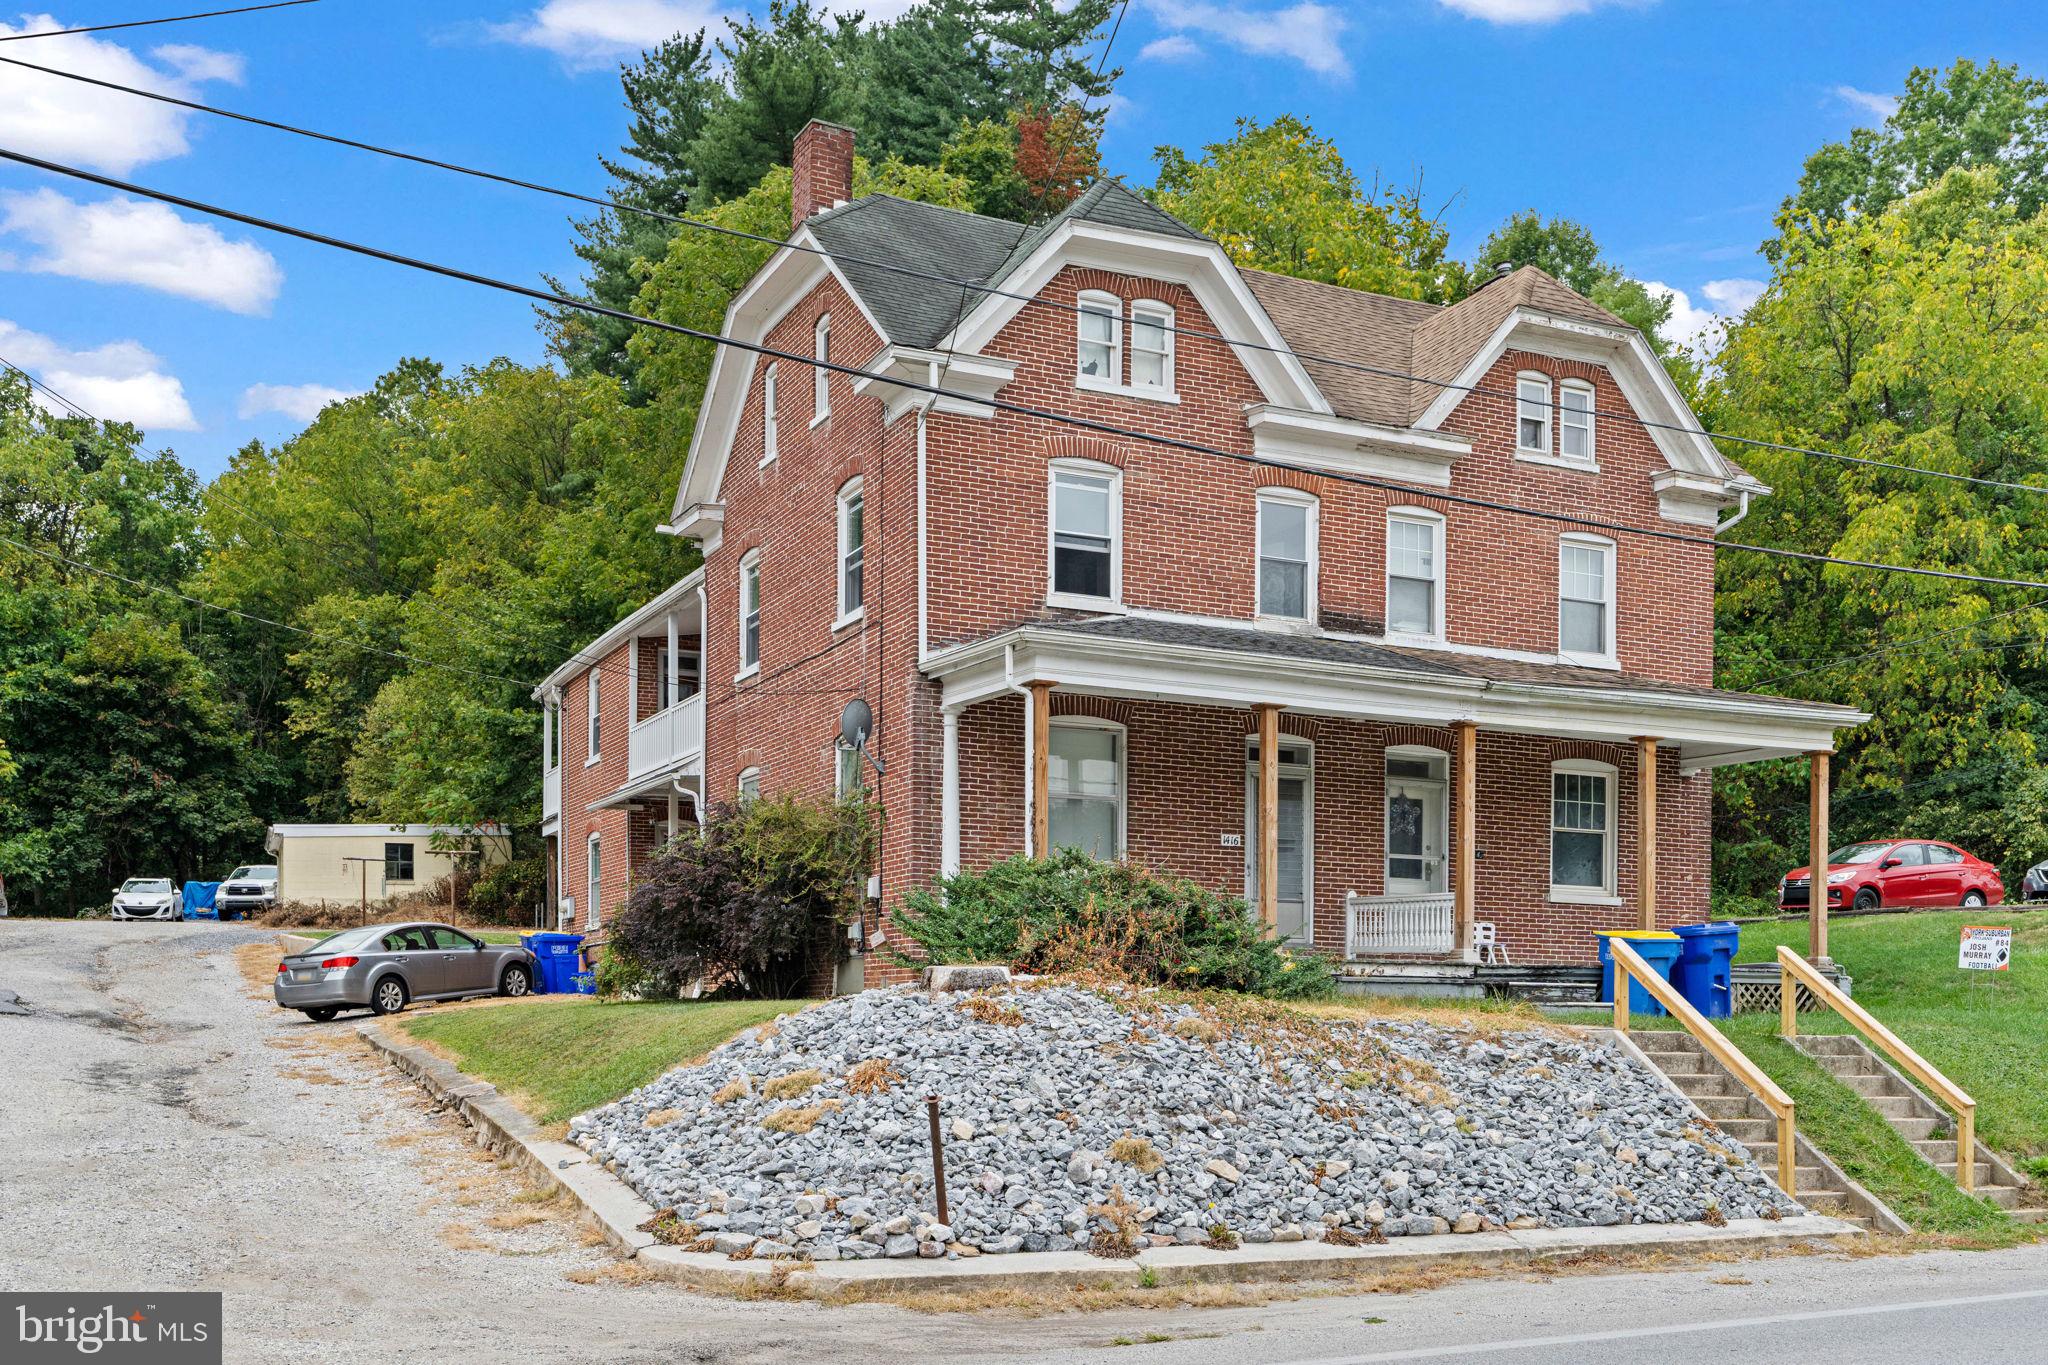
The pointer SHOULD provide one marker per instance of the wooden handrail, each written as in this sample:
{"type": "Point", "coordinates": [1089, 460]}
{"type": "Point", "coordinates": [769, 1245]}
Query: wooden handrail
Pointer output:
{"type": "Point", "coordinates": [1627, 963]}
{"type": "Point", "coordinates": [1795, 971]}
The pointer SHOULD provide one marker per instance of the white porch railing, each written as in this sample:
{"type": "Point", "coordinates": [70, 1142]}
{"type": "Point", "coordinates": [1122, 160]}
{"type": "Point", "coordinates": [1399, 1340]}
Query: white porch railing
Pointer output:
{"type": "Point", "coordinates": [666, 736]}
{"type": "Point", "coordinates": [551, 793]}
{"type": "Point", "coordinates": [1397, 924]}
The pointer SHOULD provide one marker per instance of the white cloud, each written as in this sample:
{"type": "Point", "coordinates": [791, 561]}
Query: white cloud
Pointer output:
{"type": "Point", "coordinates": [592, 33]}
{"type": "Point", "coordinates": [1174, 47]}
{"type": "Point", "coordinates": [1525, 11]}
{"type": "Point", "coordinates": [81, 124]}
{"type": "Point", "coordinates": [300, 402]}
{"type": "Point", "coordinates": [1305, 32]}
{"type": "Point", "coordinates": [1873, 104]}
{"type": "Point", "coordinates": [125, 241]}
{"type": "Point", "coordinates": [1691, 325]}
{"type": "Point", "coordinates": [121, 381]}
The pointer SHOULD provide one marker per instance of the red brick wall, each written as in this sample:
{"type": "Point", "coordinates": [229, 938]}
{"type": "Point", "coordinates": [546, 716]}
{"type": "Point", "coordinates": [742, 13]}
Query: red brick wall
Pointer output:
{"type": "Point", "coordinates": [584, 782]}
{"type": "Point", "coordinates": [821, 169]}
{"type": "Point", "coordinates": [1185, 788]}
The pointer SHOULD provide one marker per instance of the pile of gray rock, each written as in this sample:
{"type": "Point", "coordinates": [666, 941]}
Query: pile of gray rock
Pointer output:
{"type": "Point", "coordinates": [810, 1137]}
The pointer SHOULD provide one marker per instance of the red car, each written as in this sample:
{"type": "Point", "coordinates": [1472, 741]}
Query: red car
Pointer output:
{"type": "Point", "coordinates": [1898, 872]}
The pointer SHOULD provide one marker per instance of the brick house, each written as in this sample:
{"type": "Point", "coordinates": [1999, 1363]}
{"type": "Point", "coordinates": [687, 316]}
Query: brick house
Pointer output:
{"type": "Point", "coordinates": [1311, 670]}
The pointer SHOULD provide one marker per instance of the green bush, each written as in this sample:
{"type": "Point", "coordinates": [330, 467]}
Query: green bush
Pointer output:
{"type": "Point", "coordinates": [1071, 912]}
{"type": "Point", "coordinates": [509, 892]}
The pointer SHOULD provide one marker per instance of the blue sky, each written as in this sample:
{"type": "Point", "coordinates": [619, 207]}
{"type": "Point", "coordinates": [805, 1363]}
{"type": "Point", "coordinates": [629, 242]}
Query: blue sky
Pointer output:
{"type": "Point", "coordinates": [1672, 129]}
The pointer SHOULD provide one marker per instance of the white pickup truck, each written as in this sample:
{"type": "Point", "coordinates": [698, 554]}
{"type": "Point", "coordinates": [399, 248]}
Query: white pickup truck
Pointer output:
{"type": "Point", "coordinates": [247, 892]}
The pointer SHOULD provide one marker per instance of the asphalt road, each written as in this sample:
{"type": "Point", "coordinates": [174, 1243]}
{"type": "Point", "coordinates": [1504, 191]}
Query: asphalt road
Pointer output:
{"type": "Point", "coordinates": [163, 1126]}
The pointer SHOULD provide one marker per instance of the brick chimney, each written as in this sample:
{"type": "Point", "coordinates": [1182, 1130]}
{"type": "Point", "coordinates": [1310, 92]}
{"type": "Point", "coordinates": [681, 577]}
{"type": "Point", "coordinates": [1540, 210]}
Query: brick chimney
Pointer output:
{"type": "Point", "coordinates": [821, 170]}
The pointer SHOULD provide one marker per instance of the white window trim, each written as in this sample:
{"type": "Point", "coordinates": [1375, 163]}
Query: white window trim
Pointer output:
{"type": "Point", "coordinates": [821, 378]}
{"type": "Point", "coordinates": [1590, 461]}
{"type": "Point", "coordinates": [1123, 774]}
{"type": "Point", "coordinates": [1307, 773]}
{"type": "Point", "coordinates": [1611, 659]}
{"type": "Point", "coordinates": [1115, 306]}
{"type": "Point", "coordinates": [749, 563]}
{"type": "Point", "coordinates": [592, 724]}
{"type": "Point", "coordinates": [1155, 309]}
{"type": "Point", "coordinates": [1417, 516]}
{"type": "Point", "coordinates": [1581, 895]}
{"type": "Point", "coordinates": [1296, 498]}
{"type": "Point", "coordinates": [747, 777]}
{"type": "Point", "coordinates": [847, 493]}
{"type": "Point", "coordinates": [593, 879]}
{"type": "Point", "coordinates": [769, 443]}
{"type": "Point", "coordinates": [1548, 449]}
{"type": "Point", "coordinates": [1096, 469]}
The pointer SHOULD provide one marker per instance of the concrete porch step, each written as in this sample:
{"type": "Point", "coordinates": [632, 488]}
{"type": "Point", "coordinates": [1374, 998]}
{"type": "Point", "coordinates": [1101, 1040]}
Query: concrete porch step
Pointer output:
{"type": "Point", "coordinates": [1724, 1109]}
{"type": "Point", "coordinates": [2028, 1215]}
{"type": "Point", "coordinates": [1657, 1043]}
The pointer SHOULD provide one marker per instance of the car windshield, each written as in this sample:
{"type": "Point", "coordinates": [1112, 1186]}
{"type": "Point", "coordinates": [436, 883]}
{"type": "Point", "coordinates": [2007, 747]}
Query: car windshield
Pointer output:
{"type": "Point", "coordinates": [145, 884]}
{"type": "Point", "coordinates": [253, 874]}
{"type": "Point", "coordinates": [347, 938]}
{"type": "Point", "coordinates": [1858, 853]}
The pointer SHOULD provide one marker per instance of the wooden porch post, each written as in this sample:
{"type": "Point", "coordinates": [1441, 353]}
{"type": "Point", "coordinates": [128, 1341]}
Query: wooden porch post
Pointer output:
{"type": "Point", "coordinates": [1465, 835]}
{"type": "Point", "coordinates": [1269, 815]}
{"type": "Point", "coordinates": [1041, 795]}
{"type": "Point", "coordinates": [1646, 830]}
{"type": "Point", "coordinates": [1817, 857]}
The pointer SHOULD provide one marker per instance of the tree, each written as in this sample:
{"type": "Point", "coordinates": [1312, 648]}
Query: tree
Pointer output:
{"type": "Point", "coordinates": [801, 65]}
{"type": "Point", "coordinates": [1567, 250]}
{"type": "Point", "coordinates": [1968, 116]}
{"type": "Point", "coordinates": [1028, 166]}
{"type": "Point", "coordinates": [1279, 197]}
{"type": "Point", "coordinates": [932, 70]}
{"type": "Point", "coordinates": [1043, 48]}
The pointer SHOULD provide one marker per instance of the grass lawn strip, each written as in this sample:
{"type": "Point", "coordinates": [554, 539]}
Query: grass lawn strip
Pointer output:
{"type": "Point", "coordinates": [558, 1056]}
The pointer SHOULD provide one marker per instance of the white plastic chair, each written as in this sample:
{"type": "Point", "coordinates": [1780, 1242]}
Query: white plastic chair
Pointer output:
{"type": "Point", "coordinates": [1486, 939]}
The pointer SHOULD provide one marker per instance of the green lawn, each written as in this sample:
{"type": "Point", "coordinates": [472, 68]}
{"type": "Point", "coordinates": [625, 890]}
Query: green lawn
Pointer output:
{"type": "Point", "coordinates": [558, 1056]}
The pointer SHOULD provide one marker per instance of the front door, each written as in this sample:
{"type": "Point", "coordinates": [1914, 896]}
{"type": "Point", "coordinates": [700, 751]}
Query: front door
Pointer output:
{"type": "Point", "coordinates": [1296, 828]}
{"type": "Point", "coordinates": [1415, 836]}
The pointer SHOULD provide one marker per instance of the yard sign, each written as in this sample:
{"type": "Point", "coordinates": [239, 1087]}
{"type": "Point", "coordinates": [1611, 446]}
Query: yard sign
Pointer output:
{"type": "Point", "coordinates": [1986, 948]}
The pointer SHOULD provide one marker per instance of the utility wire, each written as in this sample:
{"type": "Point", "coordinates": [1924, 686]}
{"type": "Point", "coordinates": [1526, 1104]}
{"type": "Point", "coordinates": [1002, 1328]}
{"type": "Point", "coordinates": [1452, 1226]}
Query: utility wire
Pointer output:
{"type": "Point", "coordinates": [145, 23]}
{"type": "Point", "coordinates": [1029, 300]}
{"type": "Point", "coordinates": [1892, 648]}
{"type": "Point", "coordinates": [998, 404]}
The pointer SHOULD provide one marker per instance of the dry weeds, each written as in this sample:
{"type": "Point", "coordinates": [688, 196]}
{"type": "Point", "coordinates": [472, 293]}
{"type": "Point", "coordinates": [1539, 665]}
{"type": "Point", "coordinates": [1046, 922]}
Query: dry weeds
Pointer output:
{"type": "Point", "coordinates": [1138, 1153]}
{"type": "Point", "coordinates": [989, 1010]}
{"type": "Point", "coordinates": [739, 1087]}
{"type": "Point", "coordinates": [876, 1075]}
{"type": "Point", "coordinates": [795, 1119]}
{"type": "Point", "coordinates": [661, 1117]}
{"type": "Point", "coordinates": [794, 1084]}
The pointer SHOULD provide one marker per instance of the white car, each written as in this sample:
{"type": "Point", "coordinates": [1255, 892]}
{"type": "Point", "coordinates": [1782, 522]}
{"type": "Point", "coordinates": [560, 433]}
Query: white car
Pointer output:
{"type": "Point", "coordinates": [148, 898]}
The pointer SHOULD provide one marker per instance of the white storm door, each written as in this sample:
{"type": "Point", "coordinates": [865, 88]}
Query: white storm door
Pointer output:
{"type": "Point", "coordinates": [1415, 836]}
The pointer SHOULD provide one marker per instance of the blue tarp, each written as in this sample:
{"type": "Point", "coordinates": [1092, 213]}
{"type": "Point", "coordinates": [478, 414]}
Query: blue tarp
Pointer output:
{"type": "Point", "coordinates": [199, 900]}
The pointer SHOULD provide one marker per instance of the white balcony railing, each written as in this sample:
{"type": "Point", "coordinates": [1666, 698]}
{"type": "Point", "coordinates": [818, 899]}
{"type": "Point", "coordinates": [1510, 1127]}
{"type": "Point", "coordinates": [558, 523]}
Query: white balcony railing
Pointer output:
{"type": "Point", "coordinates": [551, 793]}
{"type": "Point", "coordinates": [665, 737]}
{"type": "Point", "coordinates": [1397, 924]}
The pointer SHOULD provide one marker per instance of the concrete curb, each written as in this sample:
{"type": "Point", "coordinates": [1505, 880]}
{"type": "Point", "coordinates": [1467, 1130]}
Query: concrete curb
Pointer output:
{"type": "Point", "coordinates": [610, 1205]}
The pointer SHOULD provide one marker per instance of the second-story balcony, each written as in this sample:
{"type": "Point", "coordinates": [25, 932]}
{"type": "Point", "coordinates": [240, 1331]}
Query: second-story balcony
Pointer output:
{"type": "Point", "coordinates": [667, 739]}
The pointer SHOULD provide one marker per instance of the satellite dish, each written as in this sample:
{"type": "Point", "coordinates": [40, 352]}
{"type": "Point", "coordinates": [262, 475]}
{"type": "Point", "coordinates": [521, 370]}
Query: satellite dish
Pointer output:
{"type": "Point", "coordinates": [856, 723]}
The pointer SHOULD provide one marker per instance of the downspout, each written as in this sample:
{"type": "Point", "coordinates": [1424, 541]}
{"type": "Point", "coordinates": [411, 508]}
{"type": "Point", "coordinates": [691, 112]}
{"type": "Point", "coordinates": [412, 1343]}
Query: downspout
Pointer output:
{"type": "Point", "coordinates": [1740, 512]}
{"type": "Point", "coordinates": [923, 617]}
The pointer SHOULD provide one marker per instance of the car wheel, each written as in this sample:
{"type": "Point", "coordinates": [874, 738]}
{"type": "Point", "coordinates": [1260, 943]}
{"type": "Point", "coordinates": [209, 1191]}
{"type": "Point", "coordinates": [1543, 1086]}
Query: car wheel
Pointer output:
{"type": "Point", "coordinates": [1868, 899]}
{"type": "Point", "coordinates": [321, 1015]}
{"type": "Point", "coordinates": [388, 996]}
{"type": "Point", "coordinates": [516, 982]}
{"type": "Point", "coordinates": [1973, 900]}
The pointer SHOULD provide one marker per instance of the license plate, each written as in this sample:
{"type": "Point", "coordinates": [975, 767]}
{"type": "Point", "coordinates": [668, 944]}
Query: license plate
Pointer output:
{"type": "Point", "coordinates": [312, 974]}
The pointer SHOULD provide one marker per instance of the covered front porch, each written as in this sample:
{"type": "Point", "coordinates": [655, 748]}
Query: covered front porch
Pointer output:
{"type": "Point", "coordinates": [1393, 808]}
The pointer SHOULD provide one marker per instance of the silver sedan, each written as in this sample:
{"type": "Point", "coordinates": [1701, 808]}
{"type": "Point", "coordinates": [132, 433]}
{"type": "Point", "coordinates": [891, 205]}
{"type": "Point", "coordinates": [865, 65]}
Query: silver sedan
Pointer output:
{"type": "Point", "coordinates": [384, 967]}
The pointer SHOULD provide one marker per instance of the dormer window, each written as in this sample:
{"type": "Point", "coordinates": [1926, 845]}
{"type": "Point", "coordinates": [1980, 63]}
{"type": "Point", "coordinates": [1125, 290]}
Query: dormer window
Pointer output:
{"type": "Point", "coordinates": [1575, 421]}
{"type": "Point", "coordinates": [1151, 346]}
{"type": "Point", "coordinates": [1532, 413]}
{"type": "Point", "coordinates": [1099, 348]}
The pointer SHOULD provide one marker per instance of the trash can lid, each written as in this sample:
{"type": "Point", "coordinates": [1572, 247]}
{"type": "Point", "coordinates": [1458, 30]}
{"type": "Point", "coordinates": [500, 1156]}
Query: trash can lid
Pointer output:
{"type": "Point", "coordinates": [1719, 926]}
{"type": "Point", "coordinates": [1634, 933]}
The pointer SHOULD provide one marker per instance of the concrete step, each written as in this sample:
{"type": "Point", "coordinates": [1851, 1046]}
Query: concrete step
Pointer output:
{"type": "Point", "coordinates": [1694, 1084]}
{"type": "Point", "coordinates": [2028, 1215]}
{"type": "Point", "coordinates": [1723, 1108]}
{"type": "Point", "coordinates": [1749, 1131]}
{"type": "Point", "coordinates": [1948, 1168]}
{"type": "Point", "coordinates": [1659, 1044]}
{"type": "Point", "coordinates": [1896, 1106]}
{"type": "Point", "coordinates": [2005, 1196]}
{"type": "Point", "coordinates": [1849, 1064]}
{"type": "Point", "coordinates": [1870, 1085]}
{"type": "Point", "coordinates": [1833, 1044]}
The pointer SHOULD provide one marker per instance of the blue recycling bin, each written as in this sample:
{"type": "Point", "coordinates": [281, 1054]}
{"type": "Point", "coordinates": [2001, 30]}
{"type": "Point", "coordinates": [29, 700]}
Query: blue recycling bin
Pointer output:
{"type": "Point", "coordinates": [1657, 947]}
{"type": "Point", "coordinates": [555, 961]}
{"type": "Point", "coordinates": [199, 900]}
{"type": "Point", "coordinates": [584, 983]}
{"type": "Point", "coordinates": [1706, 951]}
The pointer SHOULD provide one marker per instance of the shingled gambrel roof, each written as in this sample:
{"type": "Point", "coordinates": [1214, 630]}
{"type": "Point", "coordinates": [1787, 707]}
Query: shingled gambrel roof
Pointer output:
{"type": "Point", "coordinates": [1374, 330]}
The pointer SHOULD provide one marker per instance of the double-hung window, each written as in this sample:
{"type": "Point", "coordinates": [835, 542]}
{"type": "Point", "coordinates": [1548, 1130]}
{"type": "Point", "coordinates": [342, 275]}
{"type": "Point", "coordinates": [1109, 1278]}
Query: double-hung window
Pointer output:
{"type": "Point", "coordinates": [1581, 830]}
{"type": "Point", "coordinates": [1085, 788]}
{"type": "Point", "coordinates": [1575, 421]}
{"type": "Point", "coordinates": [591, 711]}
{"type": "Point", "coordinates": [768, 438]}
{"type": "Point", "coordinates": [821, 351]}
{"type": "Point", "coordinates": [750, 785]}
{"type": "Point", "coordinates": [1151, 347]}
{"type": "Point", "coordinates": [1415, 573]}
{"type": "Point", "coordinates": [1287, 554]}
{"type": "Point", "coordinates": [1532, 414]}
{"type": "Point", "coordinates": [594, 880]}
{"type": "Point", "coordinates": [1087, 512]}
{"type": "Point", "coordinates": [750, 613]}
{"type": "Point", "coordinates": [852, 552]}
{"type": "Point", "coordinates": [1099, 346]}
{"type": "Point", "coordinates": [1585, 599]}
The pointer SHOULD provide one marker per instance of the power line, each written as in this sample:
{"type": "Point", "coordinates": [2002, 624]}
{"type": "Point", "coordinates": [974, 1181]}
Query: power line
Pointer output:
{"type": "Point", "coordinates": [146, 23]}
{"type": "Point", "coordinates": [998, 404]}
{"type": "Point", "coordinates": [1031, 300]}
{"type": "Point", "coordinates": [1059, 165]}
{"type": "Point", "coordinates": [1897, 645]}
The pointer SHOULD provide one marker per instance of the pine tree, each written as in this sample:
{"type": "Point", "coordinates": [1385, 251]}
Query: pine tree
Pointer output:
{"type": "Point", "coordinates": [1043, 46]}
{"type": "Point", "coordinates": [801, 65]}
{"type": "Point", "coordinates": [927, 74]}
